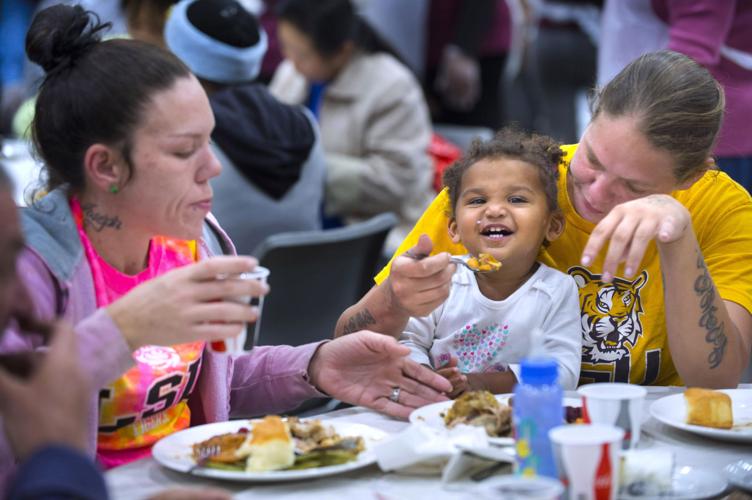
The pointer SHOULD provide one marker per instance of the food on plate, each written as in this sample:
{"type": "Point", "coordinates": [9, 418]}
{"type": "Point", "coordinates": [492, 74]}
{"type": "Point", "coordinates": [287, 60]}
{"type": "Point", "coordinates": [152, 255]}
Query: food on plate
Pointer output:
{"type": "Point", "coordinates": [482, 409]}
{"type": "Point", "coordinates": [317, 445]}
{"type": "Point", "coordinates": [274, 443]}
{"type": "Point", "coordinates": [708, 408]}
{"type": "Point", "coordinates": [484, 262]}
{"type": "Point", "coordinates": [646, 473]}
{"type": "Point", "coordinates": [221, 448]}
{"type": "Point", "coordinates": [573, 414]}
{"type": "Point", "coordinates": [269, 445]}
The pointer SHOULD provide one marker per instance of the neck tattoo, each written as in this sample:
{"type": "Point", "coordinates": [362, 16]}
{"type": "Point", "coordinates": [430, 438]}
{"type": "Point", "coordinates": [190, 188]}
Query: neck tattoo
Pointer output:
{"type": "Point", "coordinates": [99, 221]}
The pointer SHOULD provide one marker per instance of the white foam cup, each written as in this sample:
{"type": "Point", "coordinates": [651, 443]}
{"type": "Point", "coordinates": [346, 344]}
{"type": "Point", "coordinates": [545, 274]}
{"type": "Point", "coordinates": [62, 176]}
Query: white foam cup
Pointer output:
{"type": "Point", "coordinates": [236, 345]}
{"type": "Point", "coordinates": [587, 460]}
{"type": "Point", "coordinates": [615, 404]}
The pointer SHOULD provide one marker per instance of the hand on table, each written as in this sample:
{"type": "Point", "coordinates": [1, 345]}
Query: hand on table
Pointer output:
{"type": "Point", "coordinates": [364, 367]}
{"type": "Point", "coordinates": [51, 406]}
{"type": "Point", "coordinates": [631, 226]}
{"type": "Point", "coordinates": [191, 303]}
{"type": "Point", "coordinates": [418, 284]}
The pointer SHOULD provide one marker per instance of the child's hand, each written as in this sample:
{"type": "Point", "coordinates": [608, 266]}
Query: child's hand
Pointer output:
{"type": "Point", "coordinates": [458, 380]}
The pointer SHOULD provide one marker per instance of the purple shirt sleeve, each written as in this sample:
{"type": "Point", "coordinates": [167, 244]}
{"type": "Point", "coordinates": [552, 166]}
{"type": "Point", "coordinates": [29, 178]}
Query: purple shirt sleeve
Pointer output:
{"type": "Point", "coordinates": [272, 379]}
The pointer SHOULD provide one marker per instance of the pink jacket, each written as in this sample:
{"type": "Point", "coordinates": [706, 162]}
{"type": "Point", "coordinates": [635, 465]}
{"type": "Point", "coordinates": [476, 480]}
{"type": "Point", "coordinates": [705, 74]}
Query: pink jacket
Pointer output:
{"type": "Point", "coordinates": [718, 35]}
{"type": "Point", "coordinates": [269, 379]}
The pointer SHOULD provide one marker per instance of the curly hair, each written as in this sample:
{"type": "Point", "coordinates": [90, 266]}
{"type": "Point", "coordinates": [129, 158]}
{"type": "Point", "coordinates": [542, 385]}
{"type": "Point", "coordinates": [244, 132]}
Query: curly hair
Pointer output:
{"type": "Point", "coordinates": [540, 151]}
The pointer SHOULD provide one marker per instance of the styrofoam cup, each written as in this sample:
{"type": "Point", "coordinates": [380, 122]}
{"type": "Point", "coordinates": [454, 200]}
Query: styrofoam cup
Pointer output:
{"type": "Point", "coordinates": [236, 345]}
{"type": "Point", "coordinates": [587, 459]}
{"type": "Point", "coordinates": [615, 404]}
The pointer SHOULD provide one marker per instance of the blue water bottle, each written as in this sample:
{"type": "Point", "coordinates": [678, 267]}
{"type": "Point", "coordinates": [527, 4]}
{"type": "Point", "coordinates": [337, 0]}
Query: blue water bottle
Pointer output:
{"type": "Point", "coordinates": [537, 408]}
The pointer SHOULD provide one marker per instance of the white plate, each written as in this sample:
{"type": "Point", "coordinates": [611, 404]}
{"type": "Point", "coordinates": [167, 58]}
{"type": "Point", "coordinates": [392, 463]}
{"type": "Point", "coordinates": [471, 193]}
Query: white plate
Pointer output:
{"type": "Point", "coordinates": [672, 410]}
{"type": "Point", "coordinates": [432, 416]}
{"type": "Point", "coordinates": [739, 474]}
{"type": "Point", "coordinates": [174, 452]}
{"type": "Point", "coordinates": [688, 483]}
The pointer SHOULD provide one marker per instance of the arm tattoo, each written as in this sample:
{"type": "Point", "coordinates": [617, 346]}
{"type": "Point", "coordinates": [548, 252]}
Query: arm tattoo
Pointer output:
{"type": "Point", "coordinates": [358, 322]}
{"type": "Point", "coordinates": [100, 221]}
{"type": "Point", "coordinates": [715, 332]}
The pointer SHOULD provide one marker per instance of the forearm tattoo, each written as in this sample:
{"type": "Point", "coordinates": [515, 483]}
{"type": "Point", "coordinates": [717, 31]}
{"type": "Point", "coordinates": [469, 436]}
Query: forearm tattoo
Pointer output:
{"type": "Point", "coordinates": [715, 331]}
{"type": "Point", "coordinates": [99, 221]}
{"type": "Point", "coordinates": [359, 322]}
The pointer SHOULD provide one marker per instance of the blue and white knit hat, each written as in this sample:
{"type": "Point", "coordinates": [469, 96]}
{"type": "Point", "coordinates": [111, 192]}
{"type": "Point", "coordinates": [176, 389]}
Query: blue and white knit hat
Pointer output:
{"type": "Point", "coordinates": [207, 57]}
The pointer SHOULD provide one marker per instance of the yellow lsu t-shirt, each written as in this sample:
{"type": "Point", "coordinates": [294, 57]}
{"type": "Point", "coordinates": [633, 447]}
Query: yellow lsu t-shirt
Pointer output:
{"type": "Point", "coordinates": [623, 322]}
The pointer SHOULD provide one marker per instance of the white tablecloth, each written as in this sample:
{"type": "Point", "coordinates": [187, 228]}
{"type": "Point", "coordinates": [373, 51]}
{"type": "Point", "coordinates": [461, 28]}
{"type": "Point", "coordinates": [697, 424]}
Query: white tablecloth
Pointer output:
{"type": "Point", "coordinates": [145, 477]}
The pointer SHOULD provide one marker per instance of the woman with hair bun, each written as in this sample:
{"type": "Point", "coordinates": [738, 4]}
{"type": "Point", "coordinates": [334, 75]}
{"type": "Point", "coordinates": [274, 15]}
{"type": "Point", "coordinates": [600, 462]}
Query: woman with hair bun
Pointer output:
{"type": "Point", "coordinates": [124, 248]}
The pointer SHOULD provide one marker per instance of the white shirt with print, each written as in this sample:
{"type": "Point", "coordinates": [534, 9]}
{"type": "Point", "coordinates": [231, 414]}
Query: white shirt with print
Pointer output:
{"type": "Point", "coordinates": [494, 335]}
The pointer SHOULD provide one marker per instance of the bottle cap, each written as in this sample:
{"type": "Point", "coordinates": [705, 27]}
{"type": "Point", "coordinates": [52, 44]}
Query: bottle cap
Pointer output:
{"type": "Point", "coordinates": [539, 371]}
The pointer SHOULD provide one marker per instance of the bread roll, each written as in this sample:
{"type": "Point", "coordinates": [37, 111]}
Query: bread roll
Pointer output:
{"type": "Point", "coordinates": [708, 408]}
{"type": "Point", "coordinates": [271, 445]}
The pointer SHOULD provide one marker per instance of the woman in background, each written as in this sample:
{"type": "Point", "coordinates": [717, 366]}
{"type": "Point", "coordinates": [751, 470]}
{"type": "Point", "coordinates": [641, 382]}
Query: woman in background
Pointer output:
{"type": "Point", "coordinates": [373, 117]}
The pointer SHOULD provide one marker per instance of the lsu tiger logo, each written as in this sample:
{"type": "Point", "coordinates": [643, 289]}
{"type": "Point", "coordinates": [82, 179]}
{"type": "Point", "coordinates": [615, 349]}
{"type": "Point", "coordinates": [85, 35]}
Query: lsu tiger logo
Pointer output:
{"type": "Point", "coordinates": [610, 315]}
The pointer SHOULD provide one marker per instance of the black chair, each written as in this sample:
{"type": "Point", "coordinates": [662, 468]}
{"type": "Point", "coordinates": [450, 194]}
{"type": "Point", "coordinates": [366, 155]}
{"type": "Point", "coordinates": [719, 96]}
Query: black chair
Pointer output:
{"type": "Point", "coordinates": [316, 275]}
{"type": "Point", "coordinates": [747, 375]}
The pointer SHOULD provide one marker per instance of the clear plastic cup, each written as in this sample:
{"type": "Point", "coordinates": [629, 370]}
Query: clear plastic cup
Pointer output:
{"type": "Point", "coordinates": [587, 459]}
{"type": "Point", "coordinates": [616, 404]}
{"type": "Point", "coordinates": [237, 344]}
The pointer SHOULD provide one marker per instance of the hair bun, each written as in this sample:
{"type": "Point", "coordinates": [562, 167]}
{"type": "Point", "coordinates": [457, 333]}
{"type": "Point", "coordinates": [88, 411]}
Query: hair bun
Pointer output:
{"type": "Point", "coordinates": [60, 34]}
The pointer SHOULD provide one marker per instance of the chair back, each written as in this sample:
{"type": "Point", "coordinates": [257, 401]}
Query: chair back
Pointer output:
{"type": "Point", "coordinates": [462, 135]}
{"type": "Point", "coordinates": [316, 275]}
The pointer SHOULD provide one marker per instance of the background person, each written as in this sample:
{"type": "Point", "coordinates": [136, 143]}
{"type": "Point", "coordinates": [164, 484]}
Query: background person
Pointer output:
{"type": "Point", "coordinates": [373, 118]}
{"type": "Point", "coordinates": [466, 50]}
{"type": "Point", "coordinates": [273, 167]}
{"type": "Point", "coordinates": [669, 301]}
{"type": "Point", "coordinates": [715, 35]}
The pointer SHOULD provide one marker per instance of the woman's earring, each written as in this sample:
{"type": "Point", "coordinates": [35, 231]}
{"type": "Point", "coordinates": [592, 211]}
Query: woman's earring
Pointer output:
{"type": "Point", "coordinates": [114, 189]}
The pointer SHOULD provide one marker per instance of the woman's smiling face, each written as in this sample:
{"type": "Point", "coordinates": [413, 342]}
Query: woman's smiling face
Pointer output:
{"type": "Point", "coordinates": [613, 164]}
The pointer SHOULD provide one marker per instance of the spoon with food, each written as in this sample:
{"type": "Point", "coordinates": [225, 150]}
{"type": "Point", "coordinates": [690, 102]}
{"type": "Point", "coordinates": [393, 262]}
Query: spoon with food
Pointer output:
{"type": "Point", "coordinates": [483, 263]}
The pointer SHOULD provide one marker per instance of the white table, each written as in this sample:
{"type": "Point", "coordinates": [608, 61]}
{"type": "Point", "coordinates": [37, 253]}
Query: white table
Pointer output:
{"type": "Point", "coordinates": [145, 477]}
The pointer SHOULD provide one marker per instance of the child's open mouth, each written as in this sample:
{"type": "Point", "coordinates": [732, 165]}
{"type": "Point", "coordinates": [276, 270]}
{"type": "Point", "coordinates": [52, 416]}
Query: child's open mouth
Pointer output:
{"type": "Point", "coordinates": [496, 232]}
